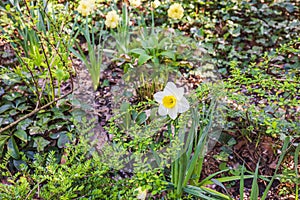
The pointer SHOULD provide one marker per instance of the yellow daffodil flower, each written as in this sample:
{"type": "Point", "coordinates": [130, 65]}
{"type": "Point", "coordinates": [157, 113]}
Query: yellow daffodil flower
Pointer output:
{"type": "Point", "coordinates": [171, 101]}
{"type": "Point", "coordinates": [112, 19]}
{"type": "Point", "coordinates": [135, 3]}
{"type": "Point", "coordinates": [155, 4]}
{"type": "Point", "coordinates": [85, 7]}
{"type": "Point", "coordinates": [175, 11]}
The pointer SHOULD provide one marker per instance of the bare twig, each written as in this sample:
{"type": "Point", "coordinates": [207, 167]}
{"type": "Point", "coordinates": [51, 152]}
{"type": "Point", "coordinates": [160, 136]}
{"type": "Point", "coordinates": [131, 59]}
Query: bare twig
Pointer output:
{"type": "Point", "coordinates": [33, 112]}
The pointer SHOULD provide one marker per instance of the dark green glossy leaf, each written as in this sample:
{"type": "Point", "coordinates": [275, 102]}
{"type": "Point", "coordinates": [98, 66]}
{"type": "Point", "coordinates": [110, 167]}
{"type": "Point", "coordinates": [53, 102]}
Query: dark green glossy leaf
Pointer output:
{"type": "Point", "coordinates": [63, 140]}
{"type": "Point", "coordinates": [54, 136]}
{"type": "Point", "coordinates": [18, 164]}
{"type": "Point", "coordinates": [5, 107]}
{"type": "Point", "coordinates": [7, 120]}
{"type": "Point", "coordinates": [12, 96]}
{"type": "Point", "coordinates": [35, 130]}
{"type": "Point", "coordinates": [1, 91]}
{"type": "Point", "coordinates": [24, 124]}
{"type": "Point", "coordinates": [12, 148]}
{"type": "Point", "coordinates": [40, 143]}
{"type": "Point", "coordinates": [19, 101]}
{"type": "Point", "coordinates": [23, 107]}
{"type": "Point", "coordinates": [22, 135]}
{"type": "Point", "coordinates": [3, 139]}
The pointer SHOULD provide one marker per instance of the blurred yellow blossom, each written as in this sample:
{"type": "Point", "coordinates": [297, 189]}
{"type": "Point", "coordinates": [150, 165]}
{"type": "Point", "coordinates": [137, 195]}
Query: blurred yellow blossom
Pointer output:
{"type": "Point", "coordinates": [176, 11]}
{"type": "Point", "coordinates": [155, 4]}
{"type": "Point", "coordinates": [135, 3]}
{"type": "Point", "coordinates": [112, 19]}
{"type": "Point", "coordinates": [85, 7]}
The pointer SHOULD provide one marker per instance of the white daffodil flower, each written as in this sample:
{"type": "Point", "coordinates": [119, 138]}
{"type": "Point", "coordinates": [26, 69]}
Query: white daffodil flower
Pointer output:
{"type": "Point", "coordinates": [171, 101]}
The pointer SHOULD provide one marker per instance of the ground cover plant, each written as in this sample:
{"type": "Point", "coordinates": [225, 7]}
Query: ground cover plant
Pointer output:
{"type": "Point", "coordinates": [149, 99]}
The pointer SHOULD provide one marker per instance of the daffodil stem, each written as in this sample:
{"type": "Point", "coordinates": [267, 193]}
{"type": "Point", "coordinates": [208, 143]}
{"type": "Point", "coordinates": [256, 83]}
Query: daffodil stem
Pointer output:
{"type": "Point", "coordinates": [178, 166]}
{"type": "Point", "coordinates": [170, 132]}
{"type": "Point", "coordinates": [152, 19]}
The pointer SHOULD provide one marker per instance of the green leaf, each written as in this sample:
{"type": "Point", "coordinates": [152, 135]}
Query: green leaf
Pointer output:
{"type": "Point", "coordinates": [40, 143]}
{"type": "Point", "coordinates": [24, 124]}
{"type": "Point", "coordinates": [3, 139]}
{"type": "Point", "coordinates": [12, 148]}
{"type": "Point", "coordinates": [141, 118]}
{"type": "Point", "coordinates": [138, 51]}
{"type": "Point", "coordinates": [63, 140]}
{"type": "Point", "coordinates": [7, 7]}
{"type": "Point", "coordinates": [126, 116]}
{"type": "Point", "coordinates": [12, 96]}
{"type": "Point", "coordinates": [59, 73]}
{"type": "Point", "coordinates": [54, 136]}
{"type": "Point", "coordinates": [169, 54]}
{"type": "Point", "coordinates": [215, 193]}
{"type": "Point", "coordinates": [242, 182]}
{"type": "Point", "coordinates": [5, 107]}
{"type": "Point", "coordinates": [1, 91]}
{"type": "Point", "coordinates": [284, 151]}
{"type": "Point", "coordinates": [254, 189]}
{"type": "Point", "coordinates": [18, 163]}
{"type": "Point", "coordinates": [198, 192]}
{"type": "Point", "coordinates": [21, 134]}
{"type": "Point", "coordinates": [220, 184]}
{"type": "Point", "coordinates": [35, 130]}
{"type": "Point", "coordinates": [296, 170]}
{"type": "Point", "coordinates": [143, 58]}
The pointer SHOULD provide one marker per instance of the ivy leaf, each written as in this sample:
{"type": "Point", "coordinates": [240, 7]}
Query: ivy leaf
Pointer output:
{"type": "Point", "coordinates": [21, 134]}
{"type": "Point", "coordinates": [54, 136]}
{"type": "Point", "coordinates": [63, 140]}
{"type": "Point", "coordinates": [24, 124]}
{"type": "Point", "coordinates": [5, 107]}
{"type": "Point", "coordinates": [12, 148]}
{"type": "Point", "coordinates": [12, 96]}
{"type": "Point", "coordinates": [18, 163]}
{"type": "Point", "coordinates": [40, 143]}
{"type": "Point", "coordinates": [3, 139]}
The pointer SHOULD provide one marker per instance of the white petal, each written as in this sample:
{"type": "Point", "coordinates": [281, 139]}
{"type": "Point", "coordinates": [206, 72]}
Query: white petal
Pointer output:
{"type": "Point", "coordinates": [158, 96]}
{"type": "Point", "coordinates": [162, 110]}
{"type": "Point", "coordinates": [173, 112]}
{"type": "Point", "coordinates": [177, 92]}
{"type": "Point", "coordinates": [183, 105]}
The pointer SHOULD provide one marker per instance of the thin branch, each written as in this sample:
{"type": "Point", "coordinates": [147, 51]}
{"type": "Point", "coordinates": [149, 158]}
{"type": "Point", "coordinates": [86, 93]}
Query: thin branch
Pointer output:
{"type": "Point", "coordinates": [33, 112]}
